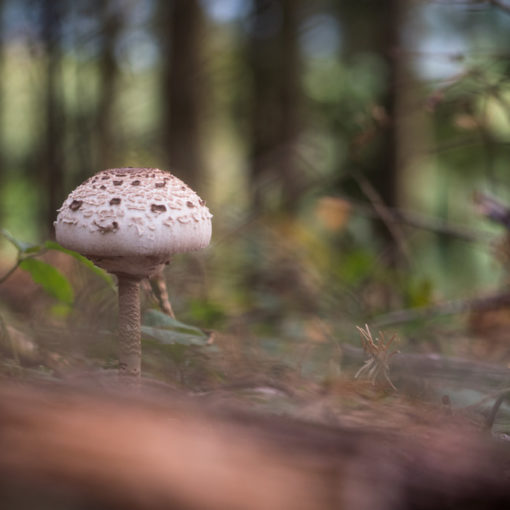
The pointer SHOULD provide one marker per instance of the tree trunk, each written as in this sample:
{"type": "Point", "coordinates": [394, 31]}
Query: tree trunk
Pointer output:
{"type": "Point", "coordinates": [52, 163]}
{"type": "Point", "coordinates": [182, 83]}
{"type": "Point", "coordinates": [2, 63]}
{"type": "Point", "coordinates": [111, 24]}
{"type": "Point", "coordinates": [275, 66]}
{"type": "Point", "coordinates": [380, 158]}
{"type": "Point", "coordinates": [386, 179]}
{"type": "Point", "coordinates": [290, 95]}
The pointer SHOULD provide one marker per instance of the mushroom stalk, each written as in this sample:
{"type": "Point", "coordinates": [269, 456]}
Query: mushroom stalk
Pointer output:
{"type": "Point", "coordinates": [130, 347]}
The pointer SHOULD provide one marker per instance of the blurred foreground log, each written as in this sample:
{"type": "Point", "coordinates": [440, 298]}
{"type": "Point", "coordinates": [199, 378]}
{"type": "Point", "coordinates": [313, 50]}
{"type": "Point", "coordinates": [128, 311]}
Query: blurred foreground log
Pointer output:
{"type": "Point", "coordinates": [78, 449]}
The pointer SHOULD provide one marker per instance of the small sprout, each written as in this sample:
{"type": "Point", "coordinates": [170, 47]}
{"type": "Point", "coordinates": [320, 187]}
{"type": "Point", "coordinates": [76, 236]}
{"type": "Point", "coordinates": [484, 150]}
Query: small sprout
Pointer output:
{"type": "Point", "coordinates": [377, 365]}
{"type": "Point", "coordinates": [115, 201]}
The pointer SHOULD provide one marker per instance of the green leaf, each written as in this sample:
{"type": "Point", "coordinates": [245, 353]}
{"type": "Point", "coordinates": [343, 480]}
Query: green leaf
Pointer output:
{"type": "Point", "coordinates": [169, 337]}
{"type": "Point", "coordinates": [159, 319]}
{"type": "Point", "coordinates": [61, 310]}
{"type": "Point", "coordinates": [20, 245]}
{"type": "Point", "coordinates": [419, 293]}
{"type": "Point", "coordinates": [50, 279]}
{"type": "Point", "coordinates": [208, 313]}
{"type": "Point", "coordinates": [162, 328]}
{"type": "Point", "coordinates": [52, 245]}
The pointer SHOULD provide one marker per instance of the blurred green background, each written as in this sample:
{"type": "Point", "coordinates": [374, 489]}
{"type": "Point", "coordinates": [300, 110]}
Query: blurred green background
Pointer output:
{"type": "Point", "coordinates": [337, 143]}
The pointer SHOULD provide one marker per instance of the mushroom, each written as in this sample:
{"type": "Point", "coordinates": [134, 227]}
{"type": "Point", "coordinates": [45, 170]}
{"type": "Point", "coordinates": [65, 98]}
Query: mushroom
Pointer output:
{"type": "Point", "coordinates": [130, 221]}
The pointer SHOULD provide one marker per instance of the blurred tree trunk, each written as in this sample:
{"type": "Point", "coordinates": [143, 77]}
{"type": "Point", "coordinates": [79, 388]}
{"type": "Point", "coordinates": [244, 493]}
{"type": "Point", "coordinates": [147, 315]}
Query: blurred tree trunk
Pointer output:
{"type": "Point", "coordinates": [290, 95]}
{"type": "Point", "coordinates": [111, 25]}
{"type": "Point", "coordinates": [380, 154]}
{"type": "Point", "coordinates": [51, 164]}
{"type": "Point", "coordinates": [181, 25]}
{"type": "Point", "coordinates": [386, 180]}
{"type": "Point", "coordinates": [80, 122]}
{"type": "Point", "coordinates": [2, 122]}
{"type": "Point", "coordinates": [275, 64]}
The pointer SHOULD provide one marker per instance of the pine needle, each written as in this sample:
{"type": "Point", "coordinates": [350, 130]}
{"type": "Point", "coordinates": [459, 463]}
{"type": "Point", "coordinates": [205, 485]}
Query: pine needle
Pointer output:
{"type": "Point", "coordinates": [377, 366]}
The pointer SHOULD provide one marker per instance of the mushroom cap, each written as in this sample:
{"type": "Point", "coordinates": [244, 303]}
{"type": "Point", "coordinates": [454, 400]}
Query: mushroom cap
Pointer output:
{"type": "Point", "coordinates": [131, 220]}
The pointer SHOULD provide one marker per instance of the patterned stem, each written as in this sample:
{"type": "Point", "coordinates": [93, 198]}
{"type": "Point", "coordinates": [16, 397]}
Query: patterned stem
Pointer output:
{"type": "Point", "coordinates": [130, 348]}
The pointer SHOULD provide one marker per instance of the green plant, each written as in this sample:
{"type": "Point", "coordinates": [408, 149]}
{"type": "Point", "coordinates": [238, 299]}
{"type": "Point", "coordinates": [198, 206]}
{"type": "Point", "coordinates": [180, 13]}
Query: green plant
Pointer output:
{"type": "Point", "coordinates": [45, 274]}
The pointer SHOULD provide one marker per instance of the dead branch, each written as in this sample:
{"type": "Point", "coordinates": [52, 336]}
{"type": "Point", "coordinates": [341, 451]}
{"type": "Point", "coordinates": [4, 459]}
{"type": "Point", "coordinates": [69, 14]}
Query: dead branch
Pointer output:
{"type": "Point", "coordinates": [385, 214]}
{"type": "Point", "coordinates": [439, 226]}
{"type": "Point", "coordinates": [489, 302]}
{"type": "Point", "coordinates": [504, 395]}
{"type": "Point", "coordinates": [437, 366]}
{"type": "Point", "coordinates": [434, 225]}
{"type": "Point", "coordinates": [493, 209]}
{"type": "Point", "coordinates": [500, 5]}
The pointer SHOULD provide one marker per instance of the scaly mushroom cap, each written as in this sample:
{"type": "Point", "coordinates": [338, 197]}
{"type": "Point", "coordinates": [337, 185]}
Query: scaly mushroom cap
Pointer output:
{"type": "Point", "coordinates": [131, 220]}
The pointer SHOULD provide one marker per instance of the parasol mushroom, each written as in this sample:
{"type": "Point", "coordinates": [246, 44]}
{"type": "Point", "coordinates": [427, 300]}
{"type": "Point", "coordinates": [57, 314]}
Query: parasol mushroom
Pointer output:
{"type": "Point", "coordinates": [130, 221]}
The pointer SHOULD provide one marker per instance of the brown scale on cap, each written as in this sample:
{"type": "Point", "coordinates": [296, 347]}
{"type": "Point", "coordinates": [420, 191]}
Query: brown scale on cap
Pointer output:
{"type": "Point", "coordinates": [113, 227]}
{"type": "Point", "coordinates": [158, 208]}
{"type": "Point", "coordinates": [75, 205]}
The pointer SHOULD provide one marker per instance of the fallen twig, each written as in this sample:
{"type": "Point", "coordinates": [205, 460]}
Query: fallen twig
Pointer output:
{"type": "Point", "coordinates": [493, 209]}
{"type": "Point", "coordinates": [503, 395]}
{"type": "Point", "coordinates": [437, 366]}
{"type": "Point", "coordinates": [456, 306]}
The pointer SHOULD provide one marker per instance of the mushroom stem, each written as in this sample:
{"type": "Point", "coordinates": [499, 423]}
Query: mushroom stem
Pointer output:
{"type": "Point", "coordinates": [130, 347]}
